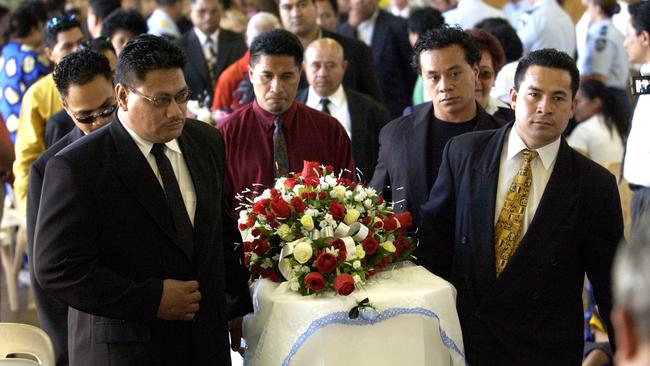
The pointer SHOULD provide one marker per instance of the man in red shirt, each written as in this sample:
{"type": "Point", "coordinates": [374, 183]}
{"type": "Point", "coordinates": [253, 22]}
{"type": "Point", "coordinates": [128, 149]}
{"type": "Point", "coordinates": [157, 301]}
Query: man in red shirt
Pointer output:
{"type": "Point", "coordinates": [273, 135]}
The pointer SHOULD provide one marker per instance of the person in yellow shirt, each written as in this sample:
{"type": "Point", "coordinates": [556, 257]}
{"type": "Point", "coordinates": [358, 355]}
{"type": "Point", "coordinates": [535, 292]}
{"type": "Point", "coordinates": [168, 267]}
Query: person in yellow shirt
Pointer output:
{"type": "Point", "coordinates": [62, 36]}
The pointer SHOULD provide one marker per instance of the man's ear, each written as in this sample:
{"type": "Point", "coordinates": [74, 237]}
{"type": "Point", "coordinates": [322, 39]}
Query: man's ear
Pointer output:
{"type": "Point", "coordinates": [122, 95]}
{"type": "Point", "coordinates": [250, 73]}
{"type": "Point", "coordinates": [345, 65]}
{"type": "Point", "coordinates": [627, 341]}
{"type": "Point", "coordinates": [513, 98]}
{"type": "Point", "coordinates": [48, 53]}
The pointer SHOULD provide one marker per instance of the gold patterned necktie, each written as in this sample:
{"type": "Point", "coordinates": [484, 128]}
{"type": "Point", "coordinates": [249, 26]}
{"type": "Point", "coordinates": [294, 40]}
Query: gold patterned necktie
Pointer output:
{"type": "Point", "coordinates": [507, 231]}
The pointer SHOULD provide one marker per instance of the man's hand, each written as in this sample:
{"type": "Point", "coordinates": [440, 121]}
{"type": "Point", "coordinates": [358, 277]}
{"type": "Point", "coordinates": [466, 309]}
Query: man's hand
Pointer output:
{"type": "Point", "coordinates": [235, 327]}
{"type": "Point", "coordinates": [180, 300]}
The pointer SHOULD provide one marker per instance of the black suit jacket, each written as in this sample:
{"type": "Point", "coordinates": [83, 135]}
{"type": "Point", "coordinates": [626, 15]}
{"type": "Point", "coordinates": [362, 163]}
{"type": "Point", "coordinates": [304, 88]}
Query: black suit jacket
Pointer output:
{"type": "Point", "coordinates": [59, 125]}
{"type": "Point", "coordinates": [105, 241]}
{"type": "Point", "coordinates": [400, 174]}
{"type": "Point", "coordinates": [367, 118]}
{"type": "Point", "coordinates": [230, 48]}
{"type": "Point", "coordinates": [391, 51]}
{"type": "Point", "coordinates": [52, 313]}
{"type": "Point", "coordinates": [531, 314]}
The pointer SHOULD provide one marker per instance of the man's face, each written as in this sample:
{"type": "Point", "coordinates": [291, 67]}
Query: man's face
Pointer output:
{"type": "Point", "coordinates": [543, 105]}
{"type": "Point", "coordinates": [298, 16]}
{"type": "Point", "coordinates": [324, 67]}
{"type": "Point", "coordinates": [326, 17]}
{"type": "Point", "coordinates": [637, 45]}
{"type": "Point", "coordinates": [120, 38]}
{"type": "Point", "coordinates": [66, 43]}
{"type": "Point", "coordinates": [157, 124]}
{"type": "Point", "coordinates": [450, 82]}
{"type": "Point", "coordinates": [90, 100]}
{"type": "Point", "coordinates": [363, 8]}
{"type": "Point", "coordinates": [275, 82]}
{"type": "Point", "coordinates": [442, 5]}
{"type": "Point", "coordinates": [206, 15]}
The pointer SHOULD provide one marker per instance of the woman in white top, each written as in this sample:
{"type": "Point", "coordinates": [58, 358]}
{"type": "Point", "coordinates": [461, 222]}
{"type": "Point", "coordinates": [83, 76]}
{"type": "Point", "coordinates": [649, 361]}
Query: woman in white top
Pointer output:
{"type": "Point", "coordinates": [602, 124]}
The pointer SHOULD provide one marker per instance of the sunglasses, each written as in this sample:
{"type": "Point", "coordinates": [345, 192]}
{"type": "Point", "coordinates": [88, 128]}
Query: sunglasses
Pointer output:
{"type": "Point", "coordinates": [58, 21]}
{"type": "Point", "coordinates": [165, 100]}
{"type": "Point", "coordinates": [93, 117]}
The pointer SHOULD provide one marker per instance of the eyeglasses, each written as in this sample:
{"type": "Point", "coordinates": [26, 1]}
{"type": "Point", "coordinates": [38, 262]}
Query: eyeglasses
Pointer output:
{"type": "Point", "coordinates": [58, 21]}
{"type": "Point", "coordinates": [485, 74]}
{"type": "Point", "coordinates": [163, 101]}
{"type": "Point", "coordinates": [93, 117]}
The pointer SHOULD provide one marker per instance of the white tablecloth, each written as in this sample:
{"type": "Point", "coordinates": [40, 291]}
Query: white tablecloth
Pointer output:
{"type": "Point", "coordinates": [417, 325]}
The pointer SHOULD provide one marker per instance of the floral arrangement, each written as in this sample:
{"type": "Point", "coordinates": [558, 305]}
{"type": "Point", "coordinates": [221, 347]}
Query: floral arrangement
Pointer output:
{"type": "Point", "coordinates": [321, 232]}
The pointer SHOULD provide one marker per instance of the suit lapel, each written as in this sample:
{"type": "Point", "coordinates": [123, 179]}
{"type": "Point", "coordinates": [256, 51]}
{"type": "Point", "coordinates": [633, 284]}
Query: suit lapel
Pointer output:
{"type": "Point", "coordinates": [379, 36]}
{"type": "Point", "coordinates": [358, 120]}
{"type": "Point", "coordinates": [415, 140]}
{"type": "Point", "coordinates": [302, 95]}
{"type": "Point", "coordinates": [134, 170]}
{"type": "Point", "coordinates": [224, 51]}
{"type": "Point", "coordinates": [196, 57]}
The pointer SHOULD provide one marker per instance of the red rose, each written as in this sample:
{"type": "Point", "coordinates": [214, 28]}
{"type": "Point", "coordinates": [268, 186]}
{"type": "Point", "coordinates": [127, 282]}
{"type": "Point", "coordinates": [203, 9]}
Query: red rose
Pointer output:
{"type": "Point", "coordinates": [344, 284]}
{"type": "Point", "coordinates": [260, 246]}
{"type": "Point", "coordinates": [340, 245]}
{"type": "Point", "coordinates": [248, 246]}
{"type": "Point", "coordinates": [337, 210]}
{"type": "Point", "coordinates": [366, 220]}
{"type": "Point", "coordinates": [379, 200]}
{"type": "Point", "coordinates": [274, 193]}
{"type": "Point", "coordinates": [390, 224]}
{"type": "Point", "coordinates": [329, 169]}
{"type": "Point", "coordinates": [289, 183]}
{"type": "Point", "coordinates": [255, 232]}
{"type": "Point", "coordinates": [312, 195]}
{"type": "Point", "coordinates": [315, 281]}
{"type": "Point", "coordinates": [281, 209]}
{"type": "Point", "coordinates": [322, 195]}
{"type": "Point", "coordinates": [371, 272]}
{"type": "Point", "coordinates": [310, 169]}
{"type": "Point", "coordinates": [260, 206]}
{"type": "Point", "coordinates": [298, 204]}
{"type": "Point", "coordinates": [311, 181]}
{"type": "Point", "coordinates": [344, 182]}
{"type": "Point", "coordinates": [405, 219]}
{"type": "Point", "coordinates": [326, 262]}
{"type": "Point", "coordinates": [370, 245]}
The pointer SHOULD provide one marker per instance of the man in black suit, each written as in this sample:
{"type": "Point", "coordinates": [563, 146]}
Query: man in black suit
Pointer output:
{"type": "Point", "coordinates": [516, 219]}
{"type": "Point", "coordinates": [208, 48]}
{"type": "Point", "coordinates": [387, 37]}
{"type": "Point", "coordinates": [85, 82]}
{"type": "Point", "coordinates": [299, 18]}
{"type": "Point", "coordinates": [131, 233]}
{"type": "Point", "coordinates": [411, 147]}
{"type": "Point", "coordinates": [361, 116]}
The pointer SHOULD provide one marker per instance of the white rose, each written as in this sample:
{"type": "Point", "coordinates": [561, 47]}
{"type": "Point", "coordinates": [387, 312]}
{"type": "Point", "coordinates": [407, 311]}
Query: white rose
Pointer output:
{"type": "Point", "coordinates": [367, 203]}
{"type": "Point", "coordinates": [303, 251]}
{"type": "Point", "coordinates": [298, 189]}
{"type": "Point", "coordinates": [357, 279]}
{"type": "Point", "coordinates": [351, 215]}
{"type": "Point", "coordinates": [307, 222]}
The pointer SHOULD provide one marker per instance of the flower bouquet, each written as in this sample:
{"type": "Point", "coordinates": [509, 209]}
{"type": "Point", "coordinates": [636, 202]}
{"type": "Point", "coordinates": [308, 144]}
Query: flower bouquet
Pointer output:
{"type": "Point", "coordinates": [321, 232]}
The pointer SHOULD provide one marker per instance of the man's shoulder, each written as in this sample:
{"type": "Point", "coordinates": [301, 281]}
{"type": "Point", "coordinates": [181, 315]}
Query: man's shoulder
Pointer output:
{"type": "Point", "coordinates": [64, 142]}
{"type": "Point", "coordinates": [354, 96]}
{"type": "Point", "coordinates": [201, 130]}
{"type": "Point", "coordinates": [230, 36]}
{"type": "Point", "coordinates": [235, 119]}
{"type": "Point", "coordinates": [345, 41]}
{"type": "Point", "coordinates": [385, 17]}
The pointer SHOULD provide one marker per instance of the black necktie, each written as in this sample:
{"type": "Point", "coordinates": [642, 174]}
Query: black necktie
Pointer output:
{"type": "Point", "coordinates": [182, 223]}
{"type": "Point", "coordinates": [280, 156]}
{"type": "Point", "coordinates": [324, 102]}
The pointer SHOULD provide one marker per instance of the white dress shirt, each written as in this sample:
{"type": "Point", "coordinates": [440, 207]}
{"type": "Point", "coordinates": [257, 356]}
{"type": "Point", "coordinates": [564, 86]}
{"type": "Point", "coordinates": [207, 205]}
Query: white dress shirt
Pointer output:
{"type": "Point", "coordinates": [470, 12]}
{"type": "Point", "coordinates": [594, 139]}
{"type": "Point", "coordinates": [541, 168]}
{"type": "Point", "coordinates": [366, 29]}
{"type": "Point", "coordinates": [175, 156]}
{"type": "Point", "coordinates": [637, 156]}
{"type": "Point", "coordinates": [207, 54]}
{"type": "Point", "coordinates": [338, 107]}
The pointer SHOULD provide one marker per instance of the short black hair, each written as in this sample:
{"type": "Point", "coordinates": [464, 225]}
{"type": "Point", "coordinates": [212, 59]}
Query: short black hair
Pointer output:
{"type": "Point", "coordinates": [99, 45]}
{"type": "Point", "coordinates": [333, 3]}
{"type": "Point", "coordinates": [507, 36]}
{"type": "Point", "coordinates": [167, 2]}
{"type": "Point", "coordinates": [444, 37]}
{"type": "Point", "coordinates": [103, 8]}
{"type": "Point", "coordinates": [276, 42]}
{"type": "Point", "coordinates": [79, 68]}
{"type": "Point", "coordinates": [422, 20]}
{"type": "Point", "coordinates": [124, 20]}
{"type": "Point", "coordinates": [56, 25]}
{"type": "Point", "coordinates": [640, 16]}
{"type": "Point", "coordinates": [147, 53]}
{"type": "Point", "coordinates": [28, 14]}
{"type": "Point", "coordinates": [551, 58]}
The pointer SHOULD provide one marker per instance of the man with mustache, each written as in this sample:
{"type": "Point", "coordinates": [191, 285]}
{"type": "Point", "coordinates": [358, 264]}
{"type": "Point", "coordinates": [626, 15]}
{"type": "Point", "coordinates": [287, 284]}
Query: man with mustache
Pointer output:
{"type": "Point", "coordinates": [410, 147]}
{"type": "Point", "coordinates": [272, 136]}
{"type": "Point", "coordinates": [131, 233]}
{"type": "Point", "coordinates": [517, 218]}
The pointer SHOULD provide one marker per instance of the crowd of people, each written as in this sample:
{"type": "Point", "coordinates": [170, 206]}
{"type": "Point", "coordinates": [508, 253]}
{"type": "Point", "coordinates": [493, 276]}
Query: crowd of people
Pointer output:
{"type": "Point", "coordinates": [497, 128]}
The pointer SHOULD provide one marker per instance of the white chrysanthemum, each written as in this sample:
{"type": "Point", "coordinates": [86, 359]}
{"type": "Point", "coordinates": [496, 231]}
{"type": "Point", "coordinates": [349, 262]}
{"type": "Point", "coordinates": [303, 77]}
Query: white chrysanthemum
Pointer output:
{"type": "Point", "coordinates": [367, 203]}
{"type": "Point", "coordinates": [333, 251]}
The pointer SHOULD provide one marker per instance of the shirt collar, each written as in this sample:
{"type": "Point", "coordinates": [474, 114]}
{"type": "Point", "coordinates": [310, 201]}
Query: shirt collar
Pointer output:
{"type": "Point", "coordinates": [145, 146]}
{"type": "Point", "coordinates": [370, 21]}
{"type": "Point", "coordinates": [547, 153]}
{"type": "Point", "coordinates": [337, 98]}
{"type": "Point", "coordinates": [266, 118]}
{"type": "Point", "coordinates": [203, 37]}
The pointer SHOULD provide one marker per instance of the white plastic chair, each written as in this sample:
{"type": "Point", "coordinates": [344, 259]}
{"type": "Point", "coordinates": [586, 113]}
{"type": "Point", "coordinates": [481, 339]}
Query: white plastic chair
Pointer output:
{"type": "Point", "coordinates": [17, 362]}
{"type": "Point", "coordinates": [25, 339]}
{"type": "Point", "coordinates": [11, 256]}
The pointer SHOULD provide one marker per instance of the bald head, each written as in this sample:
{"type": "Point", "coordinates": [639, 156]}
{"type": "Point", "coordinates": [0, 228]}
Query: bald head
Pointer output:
{"type": "Point", "coordinates": [324, 66]}
{"type": "Point", "coordinates": [259, 23]}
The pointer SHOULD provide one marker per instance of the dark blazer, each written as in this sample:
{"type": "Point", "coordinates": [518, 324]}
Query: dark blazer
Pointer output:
{"type": "Point", "coordinates": [367, 118]}
{"type": "Point", "coordinates": [59, 125]}
{"type": "Point", "coordinates": [52, 313]}
{"type": "Point", "coordinates": [402, 160]}
{"type": "Point", "coordinates": [531, 314]}
{"type": "Point", "coordinates": [391, 51]}
{"type": "Point", "coordinates": [105, 241]}
{"type": "Point", "coordinates": [230, 48]}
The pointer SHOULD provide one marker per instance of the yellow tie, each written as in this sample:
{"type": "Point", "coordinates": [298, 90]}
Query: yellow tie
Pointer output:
{"type": "Point", "coordinates": [507, 231]}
